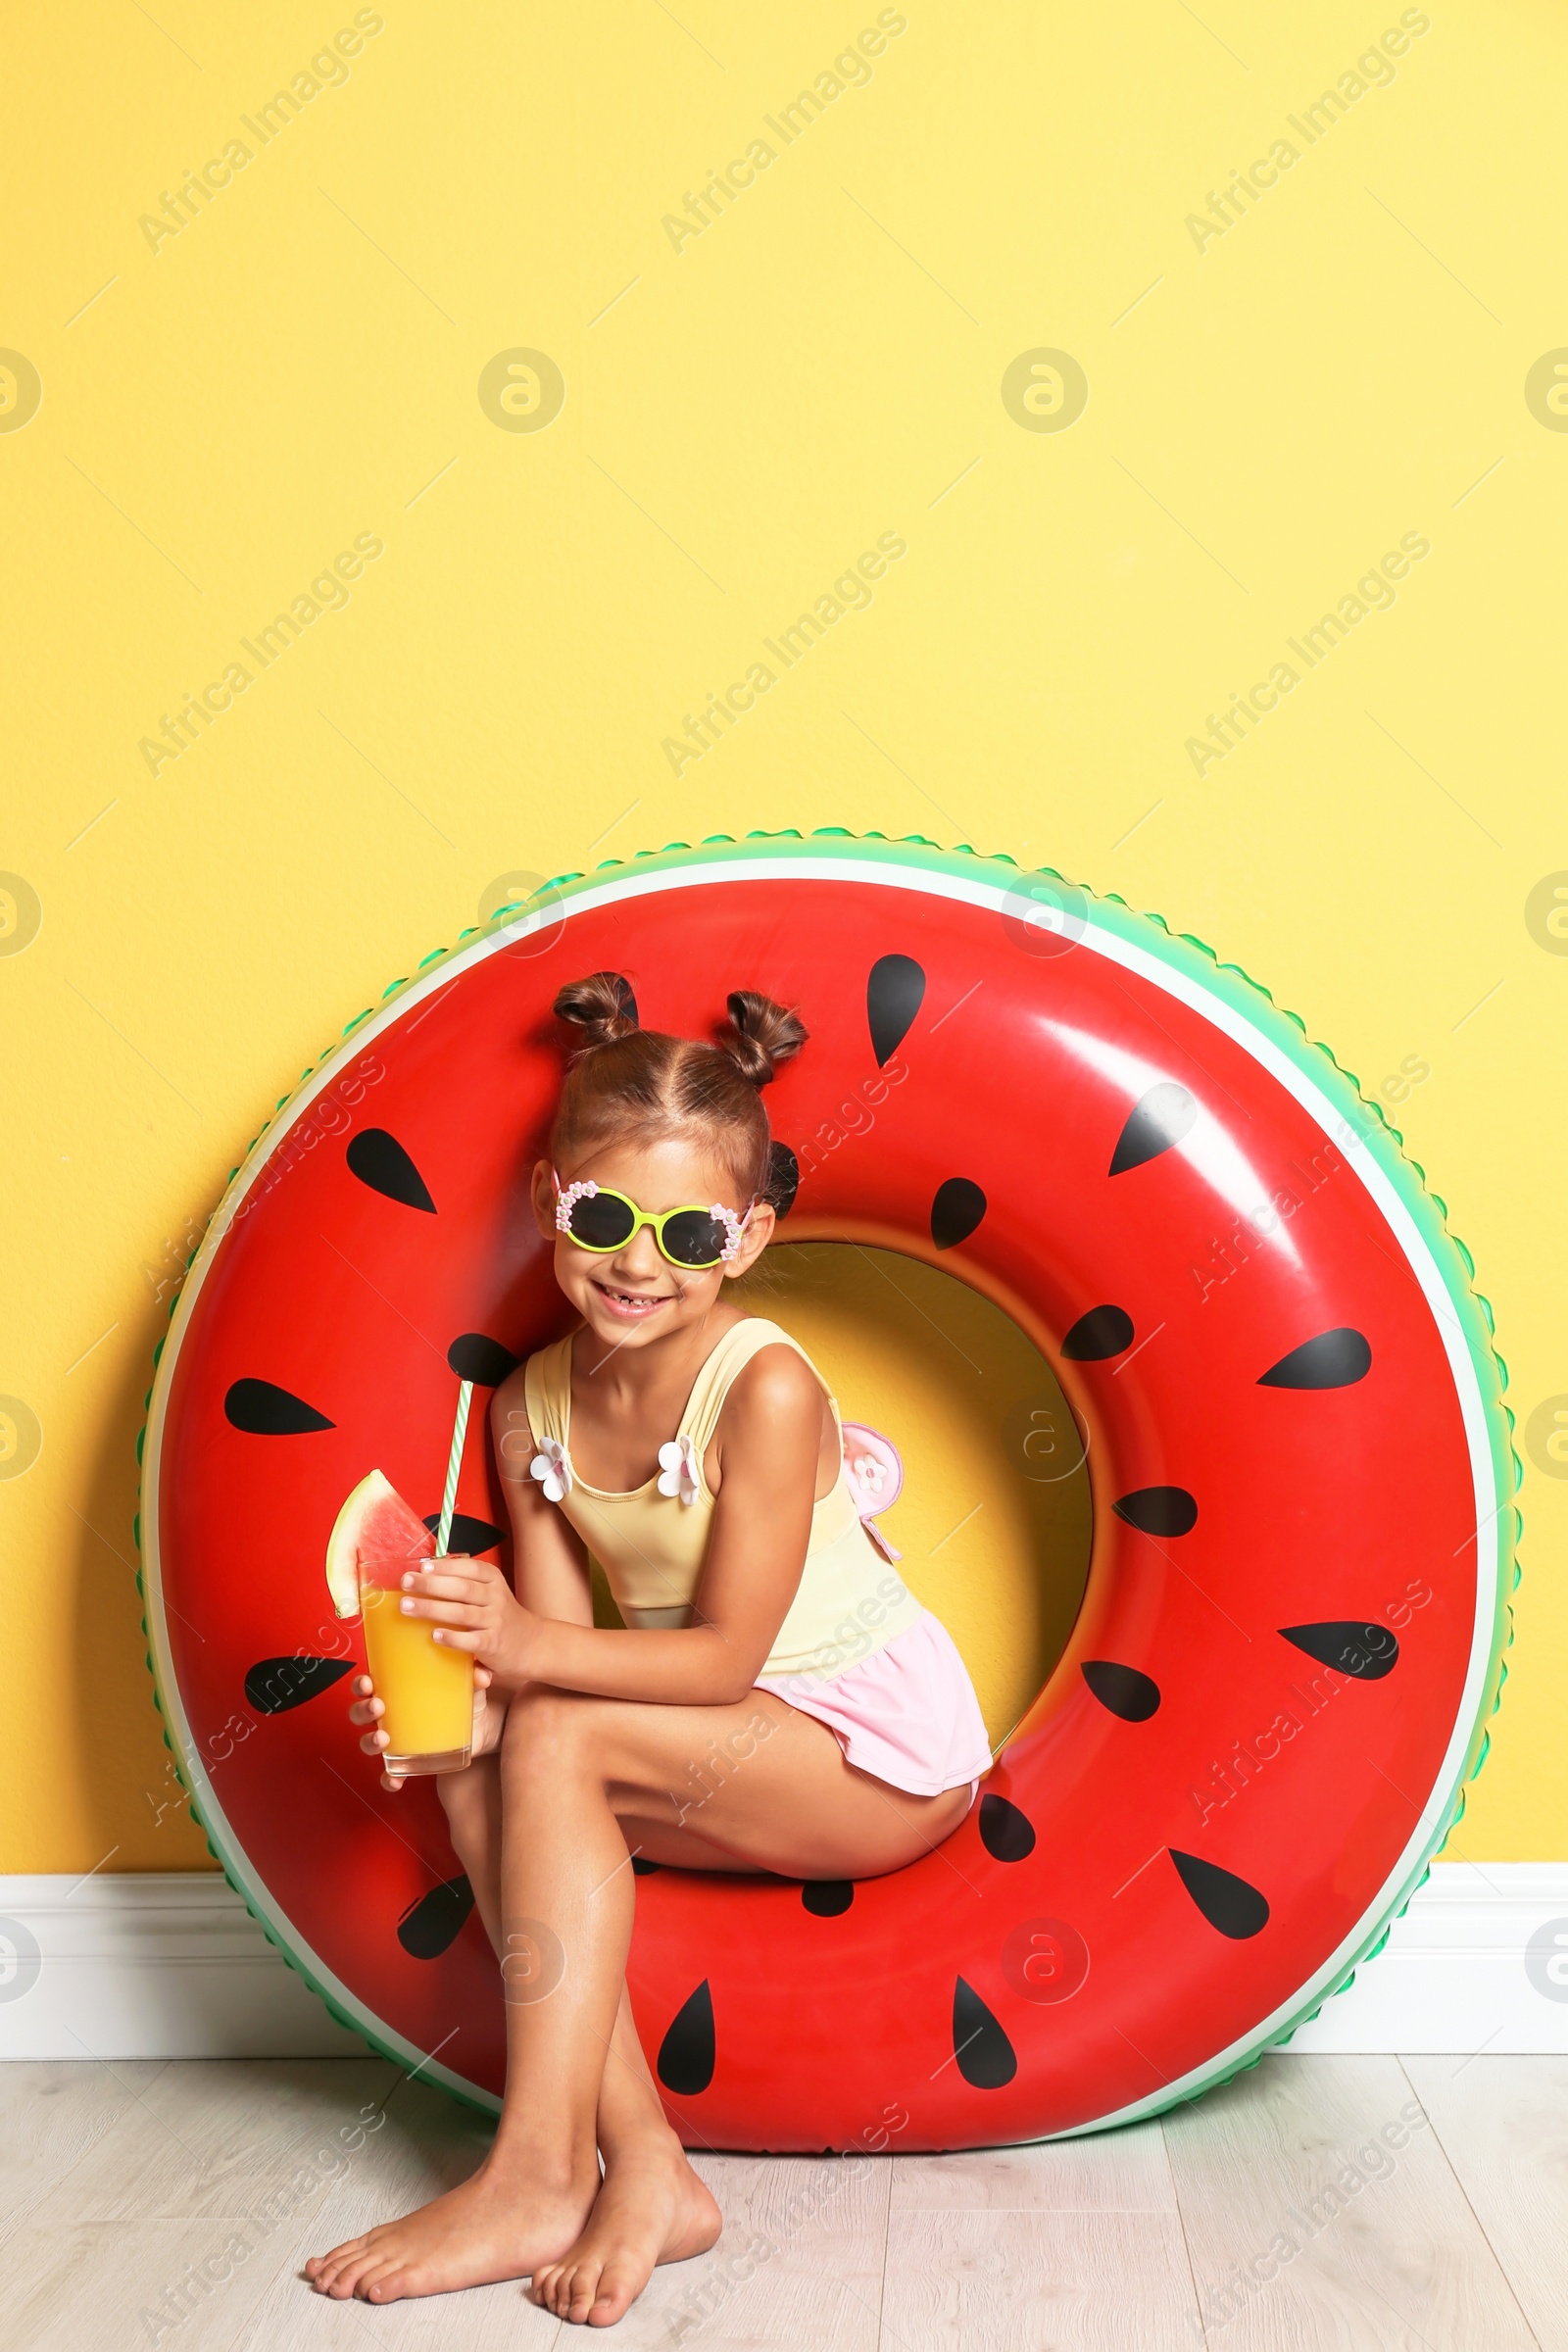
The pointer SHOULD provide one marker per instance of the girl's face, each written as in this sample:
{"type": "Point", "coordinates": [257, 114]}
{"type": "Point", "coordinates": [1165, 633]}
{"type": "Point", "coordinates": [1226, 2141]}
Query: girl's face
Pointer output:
{"type": "Point", "coordinates": [633, 1296]}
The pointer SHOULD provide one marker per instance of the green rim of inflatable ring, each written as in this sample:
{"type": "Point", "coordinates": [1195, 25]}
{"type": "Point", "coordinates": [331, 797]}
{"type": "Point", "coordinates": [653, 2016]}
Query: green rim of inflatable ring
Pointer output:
{"type": "Point", "coordinates": [1286, 1030]}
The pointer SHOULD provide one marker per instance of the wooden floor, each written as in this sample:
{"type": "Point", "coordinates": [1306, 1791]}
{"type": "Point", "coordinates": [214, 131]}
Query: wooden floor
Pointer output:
{"type": "Point", "coordinates": [1333, 2202]}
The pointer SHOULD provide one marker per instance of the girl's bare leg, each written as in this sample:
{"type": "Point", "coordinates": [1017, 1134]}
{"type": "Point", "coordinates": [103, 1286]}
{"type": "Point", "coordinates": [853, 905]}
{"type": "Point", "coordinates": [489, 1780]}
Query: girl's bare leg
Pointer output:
{"type": "Point", "coordinates": [567, 1907]}
{"type": "Point", "coordinates": [774, 1794]}
{"type": "Point", "coordinates": [651, 2202]}
{"type": "Point", "coordinates": [737, 1813]}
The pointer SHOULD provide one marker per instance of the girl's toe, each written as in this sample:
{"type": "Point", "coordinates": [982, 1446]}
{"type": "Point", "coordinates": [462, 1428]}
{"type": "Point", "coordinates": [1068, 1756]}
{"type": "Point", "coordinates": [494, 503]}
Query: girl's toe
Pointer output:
{"type": "Point", "coordinates": [389, 2278]}
{"type": "Point", "coordinates": [571, 2298]}
{"type": "Point", "coordinates": [348, 2276]}
{"type": "Point", "coordinates": [333, 2259]}
{"type": "Point", "coordinates": [584, 2292]}
{"type": "Point", "coordinates": [614, 2294]}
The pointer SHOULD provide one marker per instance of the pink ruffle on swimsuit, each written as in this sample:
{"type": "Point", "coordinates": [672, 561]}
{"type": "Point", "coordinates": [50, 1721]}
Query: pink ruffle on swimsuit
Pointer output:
{"type": "Point", "coordinates": [907, 1713]}
{"type": "Point", "coordinates": [856, 1649]}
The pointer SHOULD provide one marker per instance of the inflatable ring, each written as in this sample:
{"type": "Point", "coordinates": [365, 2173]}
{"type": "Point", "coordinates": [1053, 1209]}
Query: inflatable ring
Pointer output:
{"type": "Point", "coordinates": [1290, 1636]}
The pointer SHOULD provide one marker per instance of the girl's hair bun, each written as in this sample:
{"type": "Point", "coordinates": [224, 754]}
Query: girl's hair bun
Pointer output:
{"type": "Point", "coordinates": [602, 1006]}
{"type": "Point", "coordinates": [761, 1035]}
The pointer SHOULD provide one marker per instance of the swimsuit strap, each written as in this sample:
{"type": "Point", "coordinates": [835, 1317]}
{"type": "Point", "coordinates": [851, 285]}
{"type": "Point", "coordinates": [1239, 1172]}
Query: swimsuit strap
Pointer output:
{"type": "Point", "coordinates": [547, 1391]}
{"type": "Point", "coordinates": [728, 1360]}
{"type": "Point", "coordinates": [547, 1383]}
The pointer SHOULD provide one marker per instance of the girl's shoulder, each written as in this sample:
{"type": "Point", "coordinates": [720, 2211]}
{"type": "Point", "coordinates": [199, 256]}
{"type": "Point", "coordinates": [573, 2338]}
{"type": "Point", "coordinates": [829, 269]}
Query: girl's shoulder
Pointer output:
{"type": "Point", "coordinates": [746, 1339]}
{"type": "Point", "coordinates": [760, 1366]}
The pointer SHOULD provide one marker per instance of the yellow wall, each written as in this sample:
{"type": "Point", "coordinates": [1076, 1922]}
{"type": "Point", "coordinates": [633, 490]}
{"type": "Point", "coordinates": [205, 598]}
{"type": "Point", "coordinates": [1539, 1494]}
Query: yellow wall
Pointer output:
{"type": "Point", "coordinates": [1270, 408]}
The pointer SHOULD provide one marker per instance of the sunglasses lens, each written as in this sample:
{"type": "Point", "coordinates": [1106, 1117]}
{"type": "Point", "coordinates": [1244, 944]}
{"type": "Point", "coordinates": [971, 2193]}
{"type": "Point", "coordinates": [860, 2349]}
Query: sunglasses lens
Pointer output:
{"type": "Point", "coordinates": [602, 1220]}
{"type": "Point", "coordinates": [694, 1239]}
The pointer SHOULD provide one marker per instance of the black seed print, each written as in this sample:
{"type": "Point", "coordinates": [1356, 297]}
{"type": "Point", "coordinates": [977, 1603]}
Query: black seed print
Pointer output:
{"type": "Point", "coordinates": [1368, 1651]}
{"type": "Point", "coordinates": [268, 1411]}
{"type": "Point", "coordinates": [274, 1685]}
{"type": "Point", "coordinates": [783, 1177]}
{"type": "Point", "coordinates": [1006, 1834]}
{"type": "Point", "coordinates": [1165, 1114]}
{"type": "Point", "coordinates": [827, 1899]}
{"type": "Point", "coordinates": [686, 2053]}
{"type": "Point", "coordinates": [432, 1924]}
{"type": "Point", "coordinates": [1132, 1695]}
{"type": "Point", "coordinates": [1229, 1903]}
{"type": "Point", "coordinates": [482, 1360]}
{"type": "Point", "coordinates": [379, 1160]}
{"type": "Point", "coordinates": [955, 1211]}
{"type": "Point", "coordinates": [1159, 1511]}
{"type": "Point", "coordinates": [1103, 1331]}
{"type": "Point", "coordinates": [1335, 1359]}
{"type": "Point", "coordinates": [469, 1537]}
{"type": "Point", "coordinates": [986, 2057]}
{"type": "Point", "coordinates": [894, 993]}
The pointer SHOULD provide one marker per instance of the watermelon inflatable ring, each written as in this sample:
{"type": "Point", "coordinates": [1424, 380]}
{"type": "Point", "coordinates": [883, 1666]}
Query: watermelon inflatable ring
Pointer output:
{"type": "Point", "coordinates": [1290, 1636]}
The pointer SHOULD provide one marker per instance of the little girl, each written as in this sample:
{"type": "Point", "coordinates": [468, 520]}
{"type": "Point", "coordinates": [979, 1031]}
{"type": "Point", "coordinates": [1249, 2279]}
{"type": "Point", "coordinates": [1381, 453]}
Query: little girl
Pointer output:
{"type": "Point", "coordinates": [693, 1451]}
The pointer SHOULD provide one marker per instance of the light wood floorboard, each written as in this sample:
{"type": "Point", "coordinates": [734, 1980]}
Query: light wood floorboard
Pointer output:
{"type": "Point", "coordinates": [1503, 2126]}
{"type": "Point", "coordinates": [211, 2136]}
{"type": "Point", "coordinates": [1306, 2228]}
{"type": "Point", "coordinates": [1317, 2204]}
{"type": "Point", "coordinates": [108, 2286]}
{"type": "Point", "coordinates": [1106, 2172]}
{"type": "Point", "coordinates": [51, 2116]}
{"type": "Point", "coordinates": [1017, 2282]}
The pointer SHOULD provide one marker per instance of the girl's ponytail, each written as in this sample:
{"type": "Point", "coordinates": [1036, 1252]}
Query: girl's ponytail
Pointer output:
{"type": "Point", "coordinates": [761, 1035]}
{"type": "Point", "coordinates": [602, 1006]}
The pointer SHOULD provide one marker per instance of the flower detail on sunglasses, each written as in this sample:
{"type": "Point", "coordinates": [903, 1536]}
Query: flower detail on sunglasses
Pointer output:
{"type": "Point", "coordinates": [734, 1229]}
{"type": "Point", "coordinates": [565, 1202]}
{"type": "Point", "coordinates": [552, 1467]}
{"type": "Point", "coordinates": [677, 1469]}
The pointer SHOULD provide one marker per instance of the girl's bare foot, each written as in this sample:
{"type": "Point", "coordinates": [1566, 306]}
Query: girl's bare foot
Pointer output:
{"type": "Point", "coordinates": [500, 2225]}
{"type": "Point", "coordinates": [652, 2209]}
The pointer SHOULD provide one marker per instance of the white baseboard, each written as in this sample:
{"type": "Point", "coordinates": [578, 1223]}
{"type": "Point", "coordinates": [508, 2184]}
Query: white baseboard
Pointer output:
{"type": "Point", "coordinates": [167, 1964]}
{"type": "Point", "coordinates": [1455, 1973]}
{"type": "Point", "coordinates": [150, 1964]}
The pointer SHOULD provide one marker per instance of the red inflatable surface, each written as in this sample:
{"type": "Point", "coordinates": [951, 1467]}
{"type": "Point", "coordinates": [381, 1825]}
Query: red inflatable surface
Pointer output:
{"type": "Point", "coordinates": [1278, 1674]}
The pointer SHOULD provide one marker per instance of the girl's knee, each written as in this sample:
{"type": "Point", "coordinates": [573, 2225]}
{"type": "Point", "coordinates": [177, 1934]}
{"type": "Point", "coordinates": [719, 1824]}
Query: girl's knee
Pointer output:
{"type": "Point", "coordinates": [544, 1729]}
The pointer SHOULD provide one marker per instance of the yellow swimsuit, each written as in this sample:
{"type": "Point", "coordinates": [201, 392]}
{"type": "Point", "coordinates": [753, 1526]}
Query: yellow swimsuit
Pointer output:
{"type": "Point", "coordinates": [856, 1649]}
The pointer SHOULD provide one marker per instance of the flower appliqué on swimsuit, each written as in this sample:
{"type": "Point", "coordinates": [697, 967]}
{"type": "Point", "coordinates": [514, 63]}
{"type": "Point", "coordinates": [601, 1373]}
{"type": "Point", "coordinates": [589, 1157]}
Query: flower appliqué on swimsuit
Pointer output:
{"type": "Point", "coordinates": [677, 1469]}
{"type": "Point", "coordinates": [874, 1472]}
{"type": "Point", "coordinates": [552, 1467]}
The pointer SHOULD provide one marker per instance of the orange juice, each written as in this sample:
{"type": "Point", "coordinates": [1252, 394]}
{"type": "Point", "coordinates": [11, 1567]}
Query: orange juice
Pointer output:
{"type": "Point", "coordinates": [427, 1689]}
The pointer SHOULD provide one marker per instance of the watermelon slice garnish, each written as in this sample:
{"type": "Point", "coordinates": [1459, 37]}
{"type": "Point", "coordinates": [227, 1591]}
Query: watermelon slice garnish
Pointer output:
{"type": "Point", "coordinates": [374, 1524]}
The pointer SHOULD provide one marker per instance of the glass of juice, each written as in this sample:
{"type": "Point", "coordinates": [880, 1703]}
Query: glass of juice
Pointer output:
{"type": "Point", "coordinates": [425, 1687]}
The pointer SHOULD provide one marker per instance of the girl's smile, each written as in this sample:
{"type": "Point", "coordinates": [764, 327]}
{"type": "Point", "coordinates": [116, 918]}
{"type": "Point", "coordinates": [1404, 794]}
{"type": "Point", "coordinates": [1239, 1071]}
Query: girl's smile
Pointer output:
{"type": "Point", "coordinates": [632, 1307]}
{"type": "Point", "coordinates": [633, 1298]}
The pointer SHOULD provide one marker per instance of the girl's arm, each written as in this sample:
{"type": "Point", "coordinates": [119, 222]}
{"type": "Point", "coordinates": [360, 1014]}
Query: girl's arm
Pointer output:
{"type": "Point", "coordinates": [769, 1435]}
{"type": "Point", "coordinates": [550, 1561]}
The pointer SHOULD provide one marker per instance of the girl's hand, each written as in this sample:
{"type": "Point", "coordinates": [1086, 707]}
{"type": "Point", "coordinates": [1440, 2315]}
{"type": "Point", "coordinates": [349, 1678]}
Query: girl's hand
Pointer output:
{"type": "Point", "coordinates": [489, 1721]}
{"type": "Point", "coordinates": [469, 1606]}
